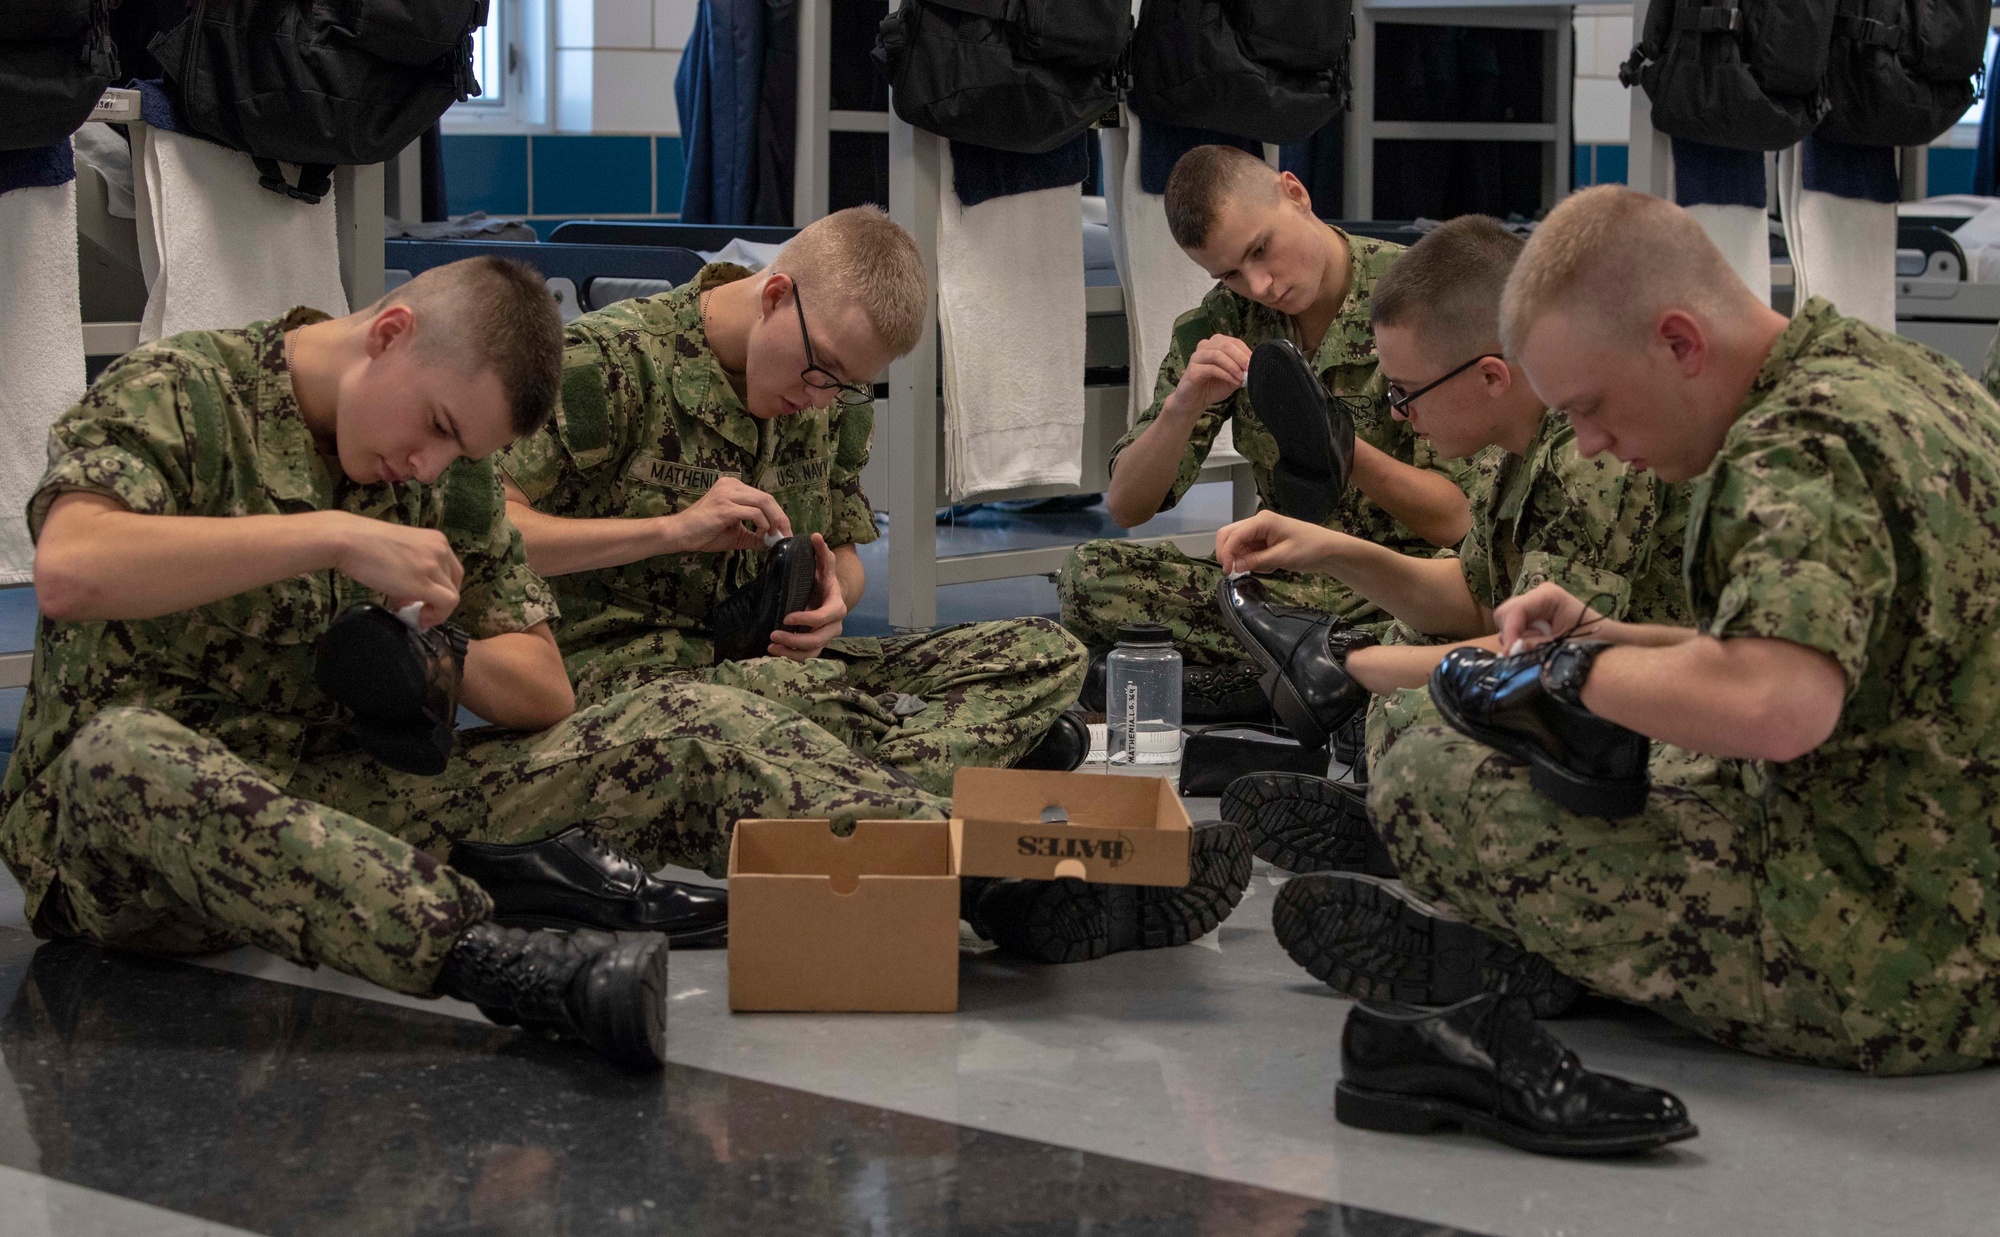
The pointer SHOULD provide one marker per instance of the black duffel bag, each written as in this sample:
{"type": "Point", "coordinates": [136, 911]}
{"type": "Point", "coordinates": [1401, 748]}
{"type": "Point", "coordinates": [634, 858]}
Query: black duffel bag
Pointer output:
{"type": "Point", "coordinates": [1903, 71]}
{"type": "Point", "coordinates": [1019, 75]}
{"type": "Point", "coordinates": [1268, 70]}
{"type": "Point", "coordinates": [1729, 73]}
{"type": "Point", "coordinates": [318, 83]}
{"type": "Point", "coordinates": [56, 58]}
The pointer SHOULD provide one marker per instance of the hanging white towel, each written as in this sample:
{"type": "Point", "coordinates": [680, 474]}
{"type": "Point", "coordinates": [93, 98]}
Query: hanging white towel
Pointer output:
{"type": "Point", "coordinates": [1010, 317]}
{"type": "Point", "coordinates": [1843, 249]}
{"type": "Point", "coordinates": [227, 251]}
{"type": "Point", "coordinates": [1743, 234]}
{"type": "Point", "coordinates": [41, 351]}
{"type": "Point", "coordinates": [1161, 282]}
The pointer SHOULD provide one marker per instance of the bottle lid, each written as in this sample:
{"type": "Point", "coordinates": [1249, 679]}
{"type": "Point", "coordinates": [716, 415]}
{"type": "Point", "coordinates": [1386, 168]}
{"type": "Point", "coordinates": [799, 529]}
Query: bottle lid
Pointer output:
{"type": "Point", "coordinates": [1144, 633]}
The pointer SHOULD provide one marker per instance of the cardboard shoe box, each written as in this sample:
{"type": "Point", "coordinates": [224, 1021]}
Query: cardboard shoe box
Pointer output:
{"type": "Point", "coordinates": [821, 922]}
{"type": "Point", "coordinates": [1043, 825]}
{"type": "Point", "coordinates": [870, 922]}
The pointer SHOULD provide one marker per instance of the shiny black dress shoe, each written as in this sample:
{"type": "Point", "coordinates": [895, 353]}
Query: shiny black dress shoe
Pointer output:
{"type": "Point", "coordinates": [574, 881]}
{"type": "Point", "coordinates": [1527, 706]}
{"type": "Point", "coordinates": [1216, 756]}
{"type": "Point", "coordinates": [611, 994]}
{"type": "Point", "coordinates": [401, 685]}
{"type": "Point", "coordinates": [1303, 823]}
{"type": "Point", "coordinates": [1076, 921]}
{"type": "Point", "coordinates": [1209, 694]}
{"type": "Point", "coordinates": [1304, 654]}
{"type": "Point", "coordinates": [742, 622]}
{"type": "Point", "coordinates": [1370, 938]}
{"type": "Point", "coordinates": [1485, 1067]}
{"type": "Point", "coordinates": [1062, 746]}
{"type": "Point", "coordinates": [1315, 434]}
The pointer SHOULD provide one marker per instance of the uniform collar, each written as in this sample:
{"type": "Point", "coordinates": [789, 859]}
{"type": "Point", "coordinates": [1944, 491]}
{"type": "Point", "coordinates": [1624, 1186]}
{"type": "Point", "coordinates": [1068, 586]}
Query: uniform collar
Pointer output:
{"type": "Point", "coordinates": [289, 466]}
{"type": "Point", "coordinates": [1519, 471]}
{"type": "Point", "coordinates": [700, 384]}
{"type": "Point", "coordinates": [1807, 325]}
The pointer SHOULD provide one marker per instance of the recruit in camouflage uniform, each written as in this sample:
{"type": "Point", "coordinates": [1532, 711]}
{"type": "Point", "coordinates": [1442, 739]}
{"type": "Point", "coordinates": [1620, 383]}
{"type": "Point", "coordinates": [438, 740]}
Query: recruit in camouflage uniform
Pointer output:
{"type": "Point", "coordinates": [1839, 908]}
{"type": "Point", "coordinates": [181, 784]}
{"type": "Point", "coordinates": [648, 423]}
{"type": "Point", "coordinates": [1610, 535]}
{"type": "Point", "coordinates": [1105, 584]}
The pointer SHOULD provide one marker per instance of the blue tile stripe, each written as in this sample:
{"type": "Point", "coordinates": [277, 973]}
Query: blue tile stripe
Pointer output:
{"type": "Point", "coordinates": [564, 175]}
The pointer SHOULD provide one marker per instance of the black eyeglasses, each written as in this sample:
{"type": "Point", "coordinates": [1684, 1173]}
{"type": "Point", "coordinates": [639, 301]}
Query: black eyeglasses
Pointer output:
{"type": "Point", "coordinates": [850, 394]}
{"type": "Point", "coordinates": [1400, 403]}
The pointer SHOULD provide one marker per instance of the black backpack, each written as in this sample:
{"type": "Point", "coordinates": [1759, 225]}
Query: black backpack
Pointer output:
{"type": "Point", "coordinates": [1019, 75]}
{"type": "Point", "coordinates": [318, 82]}
{"type": "Point", "coordinates": [1902, 71]}
{"type": "Point", "coordinates": [1733, 73]}
{"type": "Point", "coordinates": [56, 58]}
{"type": "Point", "coordinates": [1268, 70]}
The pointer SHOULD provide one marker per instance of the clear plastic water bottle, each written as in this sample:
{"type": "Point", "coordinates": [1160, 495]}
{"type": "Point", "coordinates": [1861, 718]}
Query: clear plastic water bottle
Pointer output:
{"type": "Point", "coordinates": [1142, 697]}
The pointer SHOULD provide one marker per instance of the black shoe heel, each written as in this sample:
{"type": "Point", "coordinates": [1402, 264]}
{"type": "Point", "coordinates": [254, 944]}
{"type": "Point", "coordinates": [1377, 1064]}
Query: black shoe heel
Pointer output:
{"type": "Point", "coordinates": [1386, 1113]}
{"type": "Point", "coordinates": [1292, 711]}
{"type": "Point", "coordinates": [1587, 797]}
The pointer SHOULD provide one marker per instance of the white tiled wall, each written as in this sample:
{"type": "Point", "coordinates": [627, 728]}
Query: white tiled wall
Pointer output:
{"type": "Point", "coordinates": [1603, 108]}
{"type": "Point", "coordinates": [615, 64]}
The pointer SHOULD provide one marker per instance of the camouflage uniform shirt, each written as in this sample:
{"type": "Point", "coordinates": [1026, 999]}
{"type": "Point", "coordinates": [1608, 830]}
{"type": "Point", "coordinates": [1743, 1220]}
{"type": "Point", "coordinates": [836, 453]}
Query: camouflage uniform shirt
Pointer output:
{"type": "Point", "coordinates": [1610, 536]}
{"type": "Point", "coordinates": [205, 424]}
{"type": "Point", "coordinates": [648, 424]}
{"type": "Point", "coordinates": [1855, 509]}
{"type": "Point", "coordinates": [1345, 363]}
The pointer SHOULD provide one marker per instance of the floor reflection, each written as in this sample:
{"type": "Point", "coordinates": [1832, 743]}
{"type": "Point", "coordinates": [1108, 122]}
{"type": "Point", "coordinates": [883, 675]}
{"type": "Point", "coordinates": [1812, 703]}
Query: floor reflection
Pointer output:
{"type": "Point", "coordinates": [286, 1110]}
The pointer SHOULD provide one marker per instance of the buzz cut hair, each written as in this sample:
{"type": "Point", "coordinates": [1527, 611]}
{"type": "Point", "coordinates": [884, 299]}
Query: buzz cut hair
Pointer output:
{"type": "Point", "coordinates": [1446, 288]}
{"type": "Point", "coordinates": [1202, 180]}
{"type": "Point", "coordinates": [861, 256]}
{"type": "Point", "coordinates": [1618, 259]}
{"type": "Point", "coordinates": [490, 313]}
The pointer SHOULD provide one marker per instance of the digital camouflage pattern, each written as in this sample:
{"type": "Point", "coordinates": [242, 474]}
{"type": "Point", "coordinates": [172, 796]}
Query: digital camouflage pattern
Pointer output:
{"type": "Point", "coordinates": [1989, 371]}
{"type": "Point", "coordinates": [180, 784]}
{"type": "Point", "coordinates": [1106, 583]}
{"type": "Point", "coordinates": [1841, 907]}
{"type": "Point", "coordinates": [648, 424]}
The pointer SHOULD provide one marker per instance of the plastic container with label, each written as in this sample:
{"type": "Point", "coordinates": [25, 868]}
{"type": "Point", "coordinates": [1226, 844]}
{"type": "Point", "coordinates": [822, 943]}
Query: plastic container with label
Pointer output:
{"type": "Point", "coordinates": [1142, 697]}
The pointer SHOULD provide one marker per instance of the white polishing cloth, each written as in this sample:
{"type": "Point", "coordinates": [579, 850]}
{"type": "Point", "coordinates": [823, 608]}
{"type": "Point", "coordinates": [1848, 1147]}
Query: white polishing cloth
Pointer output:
{"type": "Point", "coordinates": [41, 351]}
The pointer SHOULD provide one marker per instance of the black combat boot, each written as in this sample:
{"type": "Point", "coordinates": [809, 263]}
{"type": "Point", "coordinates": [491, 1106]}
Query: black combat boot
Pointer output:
{"type": "Point", "coordinates": [401, 685]}
{"type": "Point", "coordinates": [1076, 921]}
{"type": "Point", "coordinates": [741, 623]}
{"type": "Point", "coordinates": [1062, 747]}
{"type": "Point", "coordinates": [1529, 706]}
{"type": "Point", "coordinates": [610, 994]}
{"type": "Point", "coordinates": [573, 880]}
{"type": "Point", "coordinates": [1303, 823]}
{"type": "Point", "coordinates": [1304, 654]}
{"type": "Point", "coordinates": [1485, 1067]}
{"type": "Point", "coordinates": [1372, 939]}
{"type": "Point", "coordinates": [1315, 434]}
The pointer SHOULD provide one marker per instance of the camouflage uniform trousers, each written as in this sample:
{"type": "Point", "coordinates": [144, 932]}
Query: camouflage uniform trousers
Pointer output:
{"type": "Point", "coordinates": [1660, 909]}
{"type": "Point", "coordinates": [1106, 584]}
{"type": "Point", "coordinates": [976, 694]}
{"type": "Point", "coordinates": [171, 843]}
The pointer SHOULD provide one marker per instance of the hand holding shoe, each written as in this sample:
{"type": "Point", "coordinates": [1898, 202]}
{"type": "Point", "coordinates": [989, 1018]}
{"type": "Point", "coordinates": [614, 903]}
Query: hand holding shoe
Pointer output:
{"type": "Point", "coordinates": [733, 515]}
{"type": "Point", "coordinates": [806, 632]}
{"type": "Point", "coordinates": [1269, 542]}
{"type": "Point", "coordinates": [1534, 618]}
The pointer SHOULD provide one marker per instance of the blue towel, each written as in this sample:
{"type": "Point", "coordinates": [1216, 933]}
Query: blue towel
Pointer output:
{"type": "Point", "coordinates": [37, 167]}
{"type": "Point", "coordinates": [156, 108]}
{"type": "Point", "coordinates": [1707, 175]}
{"type": "Point", "coordinates": [1864, 172]}
{"type": "Point", "coordinates": [981, 172]}
{"type": "Point", "coordinates": [716, 92]}
{"type": "Point", "coordinates": [1161, 146]}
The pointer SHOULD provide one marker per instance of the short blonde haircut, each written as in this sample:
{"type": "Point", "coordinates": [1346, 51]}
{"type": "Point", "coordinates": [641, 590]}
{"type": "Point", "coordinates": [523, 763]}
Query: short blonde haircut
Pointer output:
{"type": "Point", "coordinates": [1618, 258]}
{"type": "Point", "coordinates": [862, 256]}
{"type": "Point", "coordinates": [1446, 288]}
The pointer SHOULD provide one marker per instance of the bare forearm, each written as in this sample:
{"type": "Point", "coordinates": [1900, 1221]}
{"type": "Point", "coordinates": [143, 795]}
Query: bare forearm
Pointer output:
{"type": "Point", "coordinates": [1427, 593]}
{"type": "Point", "coordinates": [558, 546]}
{"type": "Point", "coordinates": [1430, 504]}
{"type": "Point", "coordinates": [517, 680]}
{"type": "Point", "coordinates": [1146, 469]}
{"type": "Point", "coordinates": [1748, 698]}
{"type": "Point", "coordinates": [103, 562]}
{"type": "Point", "coordinates": [1392, 667]}
{"type": "Point", "coordinates": [853, 575]}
